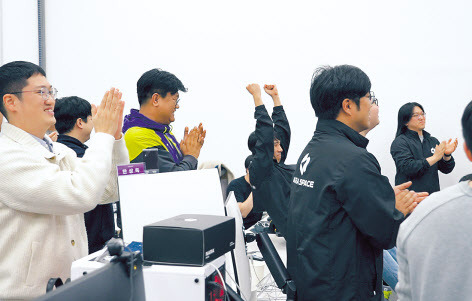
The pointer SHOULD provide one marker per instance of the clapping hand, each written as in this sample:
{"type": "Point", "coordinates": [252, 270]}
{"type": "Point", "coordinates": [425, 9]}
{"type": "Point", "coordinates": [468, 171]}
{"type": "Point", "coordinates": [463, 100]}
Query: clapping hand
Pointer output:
{"type": "Point", "coordinates": [450, 147]}
{"type": "Point", "coordinates": [53, 136]}
{"type": "Point", "coordinates": [201, 134]}
{"type": "Point", "coordinates": [405, 200]}
{"type": "Point", "coordinates": [439, 150]}
{"type": "Point", "coordinates": [108, 117]}
{"type": "Point", "coordinates": [193, 141]}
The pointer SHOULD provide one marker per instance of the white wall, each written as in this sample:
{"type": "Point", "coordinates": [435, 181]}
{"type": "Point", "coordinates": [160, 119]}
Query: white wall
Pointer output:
{"type": "Point", "coordinates": [18, 31]}
{"type": "Point", "coordinates": [412, 51]}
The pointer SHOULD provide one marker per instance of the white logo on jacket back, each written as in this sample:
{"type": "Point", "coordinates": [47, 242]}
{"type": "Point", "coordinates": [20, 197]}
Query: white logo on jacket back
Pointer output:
{"type": "Point", "coordinates": [304, 163]}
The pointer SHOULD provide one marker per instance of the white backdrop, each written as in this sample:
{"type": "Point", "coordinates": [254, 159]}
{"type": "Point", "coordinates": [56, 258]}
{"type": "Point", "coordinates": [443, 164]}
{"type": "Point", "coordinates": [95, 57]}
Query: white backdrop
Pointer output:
{"type": "Point", "coordinates": [412, 51]}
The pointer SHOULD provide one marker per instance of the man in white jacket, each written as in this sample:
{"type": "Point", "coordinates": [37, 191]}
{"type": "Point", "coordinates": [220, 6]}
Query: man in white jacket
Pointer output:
{"type": "Point", "coordinates": [44, 188]}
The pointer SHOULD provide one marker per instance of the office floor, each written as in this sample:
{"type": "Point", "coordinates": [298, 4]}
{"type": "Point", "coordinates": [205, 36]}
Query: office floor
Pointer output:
{"type": "Point", "coordinates": [263, 284]}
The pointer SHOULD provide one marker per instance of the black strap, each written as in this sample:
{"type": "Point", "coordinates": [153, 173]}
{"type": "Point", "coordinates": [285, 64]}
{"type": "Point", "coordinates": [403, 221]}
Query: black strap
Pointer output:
{"type": "Point", "coordinates": [53, 282]}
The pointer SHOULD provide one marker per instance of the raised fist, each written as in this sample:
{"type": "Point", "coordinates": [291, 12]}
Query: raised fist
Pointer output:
{"type": "Point", "coordinates": [254, 89]}
{"type": "Point", "coordinates": [271, 90]}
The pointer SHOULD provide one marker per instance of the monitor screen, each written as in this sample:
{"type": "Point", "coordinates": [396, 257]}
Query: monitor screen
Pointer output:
{"type": "Point", "coordinates": [108, 283]}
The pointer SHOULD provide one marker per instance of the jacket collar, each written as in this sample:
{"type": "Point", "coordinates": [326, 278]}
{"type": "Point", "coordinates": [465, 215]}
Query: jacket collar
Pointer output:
{"type": "Point", "coordinates": [134, 118]}
{"type": "Point", "coordinates": [333, 126]}
{"type": "Point", "coordinates": [71, 140]}
{"type": "Point", "coordinates": [24, 138]}
{"type": "Point", "coordinates": [414, 134]}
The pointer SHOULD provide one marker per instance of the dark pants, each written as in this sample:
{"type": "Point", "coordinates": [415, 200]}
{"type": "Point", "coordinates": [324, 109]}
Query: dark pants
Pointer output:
{"type": "Point", "coordinates": [100, 225]}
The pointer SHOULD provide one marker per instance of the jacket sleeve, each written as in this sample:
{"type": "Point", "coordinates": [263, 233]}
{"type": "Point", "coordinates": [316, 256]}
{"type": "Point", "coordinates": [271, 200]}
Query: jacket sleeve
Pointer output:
{"type": "Point", "coordinates": [167, 164]}
{"type": "Point", "coordinates": [38, 185]}
{"type": "Point", "coordinates": [282, 129]}
{"type": "Point", "coordinates": [120, 157]}
{"type": "Point", "coordinates": [404, 160]}
{"type": "Point", "coordinates": [443, 165]}
{"type": "Point", "coordinates": [261, 167]}
{"type": "Point", "coordinates": [369, 201]}
{"type": "Point", "coordinates": [446, 166]}
{"type": "Point", "coordinates": [405, 286]}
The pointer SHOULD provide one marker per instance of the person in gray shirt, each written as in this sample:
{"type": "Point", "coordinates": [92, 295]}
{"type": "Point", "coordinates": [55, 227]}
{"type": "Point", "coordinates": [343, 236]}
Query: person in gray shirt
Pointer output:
{"type": "Point", "coordinates": [434, 243]}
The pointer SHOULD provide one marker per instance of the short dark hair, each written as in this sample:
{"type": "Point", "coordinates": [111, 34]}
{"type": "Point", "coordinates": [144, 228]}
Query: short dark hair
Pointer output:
{"type": "Point", "coordinates": [467, 125]}
{"type": "Point", "coordinates": [13, 78]}
{"type": "Point", "coordinates": [248, 161]}
{"type": "Point", "coordinates": [277, 136]}
{"type": "Point", "coordinates": [67, 110]}
{"type": "Point", "coordinates": [404, 116]}
{"type": "Point", "coordinates": [157, 81]}
{"type": "Point", "coordinates": [331, 85]}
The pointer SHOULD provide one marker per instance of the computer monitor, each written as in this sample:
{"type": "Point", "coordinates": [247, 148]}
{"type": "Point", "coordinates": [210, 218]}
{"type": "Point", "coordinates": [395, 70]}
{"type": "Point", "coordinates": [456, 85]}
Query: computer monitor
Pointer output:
{"type": "Point", "coordinates": [112, 282]}
{"type": "Point", "coordinates": [149, 198]}
{"type": "Point", "coordinates": [237, 261]}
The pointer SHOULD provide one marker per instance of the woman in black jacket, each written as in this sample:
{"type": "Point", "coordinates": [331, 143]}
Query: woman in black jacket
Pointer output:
{"type": "Point", "coordinates": [418, 156]}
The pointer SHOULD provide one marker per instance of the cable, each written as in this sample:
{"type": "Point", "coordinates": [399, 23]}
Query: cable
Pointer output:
{"type": "Point", "coordinates": [254, 269]}
{"type": "Point", "coordinates": [237, 286]}
{"type": "Point", "coordinates": [101, 256]}
{"type": "Point", "coordinates": [266, 285]}
{"type": "Point", "coordinates": [219, 273]}
{"type": "Point", "coordinates": [234, 296]}
{"type": "Point", "coordinates": [221, 277]}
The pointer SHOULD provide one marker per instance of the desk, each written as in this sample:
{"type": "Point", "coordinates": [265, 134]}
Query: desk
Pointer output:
{"type": "Point", "coordinates": [162, 282]}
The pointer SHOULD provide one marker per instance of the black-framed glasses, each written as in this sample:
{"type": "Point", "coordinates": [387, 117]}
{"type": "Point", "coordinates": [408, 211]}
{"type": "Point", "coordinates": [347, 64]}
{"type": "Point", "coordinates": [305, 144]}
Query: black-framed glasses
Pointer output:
{"type": "Point", "coordinates": [45, 92]}
{"type": "Point", "coordinates": [373, 99]}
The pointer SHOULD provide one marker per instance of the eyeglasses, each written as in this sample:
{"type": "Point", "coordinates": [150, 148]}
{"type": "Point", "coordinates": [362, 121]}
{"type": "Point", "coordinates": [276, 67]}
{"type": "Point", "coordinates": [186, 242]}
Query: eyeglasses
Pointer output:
{"type": "Point", "coordinates": [45, 92]}
{"type": "Point", "coordinates": [418, 115]}
{"type": "Point", "coordinates": [175, 100]}
{"type": "Point", "coordinates": [373, 99]}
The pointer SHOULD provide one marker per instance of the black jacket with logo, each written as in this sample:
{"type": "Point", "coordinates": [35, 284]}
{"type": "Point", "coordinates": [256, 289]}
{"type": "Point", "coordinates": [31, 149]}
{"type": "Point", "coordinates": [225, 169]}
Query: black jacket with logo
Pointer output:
{"type": "Point", "coordinates": [410, 156]}
{"type": "Point", "coordinates": [342, 215]}
{"type": "Point", "coordinates": [271, 180]}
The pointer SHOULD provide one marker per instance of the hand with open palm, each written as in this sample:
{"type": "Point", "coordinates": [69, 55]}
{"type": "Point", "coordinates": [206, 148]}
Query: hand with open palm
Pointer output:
{"type": "Point", "coordinates": [450, 147]}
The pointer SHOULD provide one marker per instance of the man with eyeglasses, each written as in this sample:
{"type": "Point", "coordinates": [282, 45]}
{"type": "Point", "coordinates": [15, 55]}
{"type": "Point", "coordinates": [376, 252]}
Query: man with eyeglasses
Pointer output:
{"type": "Point", "coordinates": [390, 263]}
{"type": "Point", "coordinates": [434, 242]}
{"type": "Point", "coordinates": [419, 156]}
{"type": "Point", "coordinates": [149, 127]}
{"type": "Point", "coordinates": [44, 188]}
{"type": "Point", "coordinates": [373, 114]}
{"type": "Point", "coordinates": [74, 124]}
{"type": "Point", "coordinates": [342, 211]}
